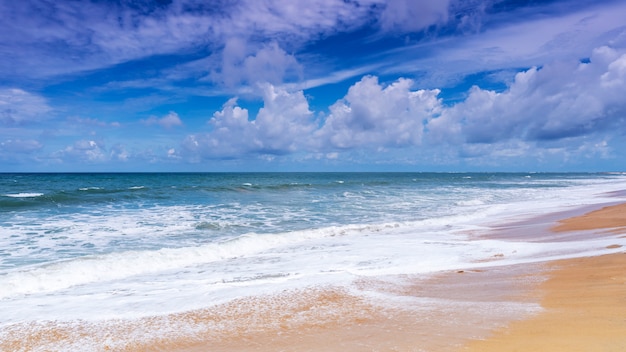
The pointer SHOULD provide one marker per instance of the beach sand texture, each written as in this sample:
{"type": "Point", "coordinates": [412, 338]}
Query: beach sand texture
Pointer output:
{"type": "Point", "coordinates": [584, 299]}
{"type": "Point", "coordinates": [568, 305]}
{"type": "Point", "coordinates": [585, 310]}
{"type": "Point", "coordinates": [610, 217]}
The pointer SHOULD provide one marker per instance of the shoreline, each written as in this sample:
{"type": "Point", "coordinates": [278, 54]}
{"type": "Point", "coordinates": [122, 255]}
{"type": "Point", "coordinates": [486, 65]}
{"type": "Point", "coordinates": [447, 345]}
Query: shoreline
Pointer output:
{"type": "Point", "coordinates": [583, 298]}
{"type": "Point", "coordinates": [465, 310]}
{"type": "Point", "coordinates": [548, 295]}
{"type": "Point", "coordinates": [584, 310]}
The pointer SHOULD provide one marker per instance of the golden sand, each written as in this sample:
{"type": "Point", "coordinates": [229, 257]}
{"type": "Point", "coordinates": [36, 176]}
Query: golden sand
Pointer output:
{"type": "Point", "coordinates": [584, 300]}
{"type": "Point", "coordinates": [585, 310]}
{"type": "Point", "coordinates": [608, 217]}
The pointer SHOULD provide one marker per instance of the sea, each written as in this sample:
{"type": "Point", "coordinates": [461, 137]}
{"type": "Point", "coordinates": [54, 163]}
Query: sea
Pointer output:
{"type": "Point", "coordinates": [94, 247]}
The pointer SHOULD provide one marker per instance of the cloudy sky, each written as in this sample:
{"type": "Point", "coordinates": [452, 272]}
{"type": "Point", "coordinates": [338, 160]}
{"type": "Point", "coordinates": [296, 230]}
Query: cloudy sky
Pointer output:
{"type": "Point", "coordinates": [318, 85]}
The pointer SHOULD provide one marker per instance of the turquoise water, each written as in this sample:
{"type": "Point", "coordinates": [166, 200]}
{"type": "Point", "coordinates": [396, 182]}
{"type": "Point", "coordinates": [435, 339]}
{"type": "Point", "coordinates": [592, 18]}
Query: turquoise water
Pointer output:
{"type": "Point", "coordinates": [167, 239]}
{"type": "Point", "coordinates": [48, 217]}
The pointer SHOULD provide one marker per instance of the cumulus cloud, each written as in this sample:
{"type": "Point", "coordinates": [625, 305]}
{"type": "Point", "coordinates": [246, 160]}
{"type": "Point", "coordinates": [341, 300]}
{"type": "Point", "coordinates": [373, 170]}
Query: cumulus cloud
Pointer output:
{"type": "Point", "coordinates": [373, 116]}
{"type": "Point", "coordinates": [557, 101]}
{"type": "Point", "coordinates": [281, 125]}
{"type": "Point", "coordinates": [168, 121]}
{"type": "Point", "coordinates": [370, 116]}
{"type": "Point", "coordinates": [232, 134]}
{"type": "Point", "coordinates": [19, 107]}
{"type": "Point", "coordinates": [284, 120]}
{"type": "Point", "coordinates": [83, 150]}
{"type": "Point", "coordinates": [569, 101]}
{"type": "Point", "coordinates": [562, 101]}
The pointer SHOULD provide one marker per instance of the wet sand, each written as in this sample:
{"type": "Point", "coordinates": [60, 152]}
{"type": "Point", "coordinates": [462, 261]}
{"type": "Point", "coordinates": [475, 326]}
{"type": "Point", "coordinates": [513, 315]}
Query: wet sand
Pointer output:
{"type": "Point", "coordinates": [585, 310]}
{"type": "Point", "coordinates": [569, 305]}
{"type": "Point", "coordinates": [584, 299]}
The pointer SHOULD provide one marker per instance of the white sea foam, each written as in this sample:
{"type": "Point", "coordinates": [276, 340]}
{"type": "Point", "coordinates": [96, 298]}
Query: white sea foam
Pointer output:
{"type": "Point", "coordinates": [65, 274]}
{"type": "Point", "coordinates": [470, 202]}
{"type": "Point", "coordinates": [24, 195]}
{"type": "Point", "coordinates": [89, 188]}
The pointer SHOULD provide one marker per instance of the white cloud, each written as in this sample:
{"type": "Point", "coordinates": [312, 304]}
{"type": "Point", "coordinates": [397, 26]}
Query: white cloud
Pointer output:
{"type": "Point", "coordinates": [18, 107]}
{"type": "Point", "coordinates": [411, 15]}
{"type": "Point", "coordinates": [168, 121]}
{"type": "Point", "coordinates": [20, 146]}
{"type": "Point", "coordinates": [172, 154]}
{"type": "Point", "coordinates": [523, 38]}
{"type": "Point", "coordinates": [564, 102]}
{"type": "Point", "coordinates": [293, 22]}
{"type": "Point", "coordinates": [269, 64]}
{"type": "Point", "coordinates": [616, 74]}
{"type": "Point", "coordinates": [118, 152]}
{"type": "Point", "coordinates": [558, 101]}
{"type": "Point", "coordinates": [282, 124]}
{"type": "Point", "coordinates": [285, 119]}
{"type": "Point", "coordinates": [99, 34]}
{"type": "Point", "coordinates": [374, 116]}
{"type": "Point", "coordinates": [232, 134]}
{"type": "Point", "coordinates": [370, 116]}
{"type": "Point", "coordinates": [83, 150]}
{"type": "Point", "coordinates": [92, 122]}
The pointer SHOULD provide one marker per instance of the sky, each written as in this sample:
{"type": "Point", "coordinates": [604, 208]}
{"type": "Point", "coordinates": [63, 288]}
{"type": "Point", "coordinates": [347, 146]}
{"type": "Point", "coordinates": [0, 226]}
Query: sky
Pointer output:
{"type": "Point", "coordinates": [318, 85]}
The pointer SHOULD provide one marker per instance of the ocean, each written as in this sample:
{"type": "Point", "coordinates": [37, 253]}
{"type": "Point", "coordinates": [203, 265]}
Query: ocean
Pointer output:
{"type": "Point", "coordinates": [95, 247]}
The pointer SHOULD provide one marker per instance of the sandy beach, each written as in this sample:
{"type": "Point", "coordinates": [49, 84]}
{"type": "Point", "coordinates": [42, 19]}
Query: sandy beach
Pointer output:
{"type": "Point", "coordinates": [566, 305]}
{"type": "Point", "coordinates": [610, 217]}
{"type": "Point", "coordinates": [584, 299]}
{"type": "Point", "coordinates": [585, 309]}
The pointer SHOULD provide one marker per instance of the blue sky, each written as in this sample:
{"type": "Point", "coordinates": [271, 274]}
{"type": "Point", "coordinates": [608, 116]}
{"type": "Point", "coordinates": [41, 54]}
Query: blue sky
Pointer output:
{"type": "Point", "coordinates": [320, 85]}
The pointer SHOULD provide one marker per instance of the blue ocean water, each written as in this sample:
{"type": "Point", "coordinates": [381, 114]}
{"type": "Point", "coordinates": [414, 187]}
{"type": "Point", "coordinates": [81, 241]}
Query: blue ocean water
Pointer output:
{"type": "Point", "coordinates": [171, 242]}
{"type": "Point", "coordinates": [49, 217]}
